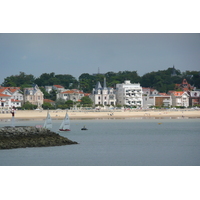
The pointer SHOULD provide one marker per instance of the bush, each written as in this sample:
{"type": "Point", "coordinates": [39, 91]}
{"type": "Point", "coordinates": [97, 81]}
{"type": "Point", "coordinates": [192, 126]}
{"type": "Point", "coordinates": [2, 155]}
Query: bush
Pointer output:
{"type": "Point", "coordinates": [29, 106]}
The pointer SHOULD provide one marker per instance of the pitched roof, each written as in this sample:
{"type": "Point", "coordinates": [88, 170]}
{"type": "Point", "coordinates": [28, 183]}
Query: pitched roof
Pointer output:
{"type": "Point", "coordinates": [72, 92]}
{"type": "Point", "coordinates": [178, 93]}
{"type": "Point", "coordinates": [4, 95]}
{"type": "Point", "coordinates": [164, 94]}
{"type": "Point", "coordinates": [15, 100]}
{"type": "Point", "coordinates": [58, 86]}
{"type": "Point", "coordinates": [11, 89]}
{"type": "Point", "coordinates": [48, 101]}
{"type": "Point", "coordinates": [98, 86]}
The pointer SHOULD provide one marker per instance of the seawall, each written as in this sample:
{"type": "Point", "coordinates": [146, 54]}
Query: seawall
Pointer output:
{"type": "Point", "coordinates": [28, 136]}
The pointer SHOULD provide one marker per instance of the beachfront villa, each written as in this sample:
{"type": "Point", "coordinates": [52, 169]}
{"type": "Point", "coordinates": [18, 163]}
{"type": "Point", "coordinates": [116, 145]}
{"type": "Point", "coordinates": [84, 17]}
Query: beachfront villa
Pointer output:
{"type": "Point", "coordinates": [74, 95]}
{"type": "Point", "coordinates": [194, 98]}
{"type": "Point", "coordinates": [10, 96]}
{"type": "Point", "coordinates": [103, 95]}
{"type": "Point", "coordinates": [34, 95]}
{"type": "Point", "coordinates": [160, 99]}
{"type": "Point", "coordinates": [180, 98]}
{"type": "Point", "coordinates": [129, 94]}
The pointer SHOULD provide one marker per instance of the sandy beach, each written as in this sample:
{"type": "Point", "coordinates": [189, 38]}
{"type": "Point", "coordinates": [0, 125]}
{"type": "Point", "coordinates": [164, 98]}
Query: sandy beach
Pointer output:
{"type": "Point", "coordinates": [59, 114]}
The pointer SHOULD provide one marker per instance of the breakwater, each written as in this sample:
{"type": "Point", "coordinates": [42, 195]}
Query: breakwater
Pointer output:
{"type": "Point", "coordinates": [28, 136]}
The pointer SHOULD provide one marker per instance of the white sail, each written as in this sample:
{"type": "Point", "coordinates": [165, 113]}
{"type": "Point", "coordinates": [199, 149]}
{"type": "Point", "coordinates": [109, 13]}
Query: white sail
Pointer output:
{"type": "Point", "coordinates": [65, 123]}
{"type": "Point", "coordinates": [48, 122]}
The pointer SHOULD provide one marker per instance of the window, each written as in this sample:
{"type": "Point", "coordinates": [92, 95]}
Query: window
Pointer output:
{"type": "Point", "coordinates": [99, 98]}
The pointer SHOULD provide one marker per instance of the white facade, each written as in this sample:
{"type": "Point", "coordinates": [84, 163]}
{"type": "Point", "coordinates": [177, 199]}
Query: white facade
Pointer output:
{"type": "Point", "coordinates": [180, 99]}
{"type": "Point", "coordinates": [5, 101]}
{"type": "Point", "coordinates": [58, 88]}
{"type": "Point", "coordinates": [156, 100]}
{"type": "Point", "coordinates": [11, 96]}
{"type": "Point", "coordinates": [129, 94]}
{"type": "Point", "coordinates": [103, 95]}
{"type": "Point", "coordinates": [74, 95]}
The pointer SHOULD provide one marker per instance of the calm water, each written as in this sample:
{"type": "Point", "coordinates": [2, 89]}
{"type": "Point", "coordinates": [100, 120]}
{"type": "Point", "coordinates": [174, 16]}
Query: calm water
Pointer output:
{"type": "Point", "coordinates": [115, 142]}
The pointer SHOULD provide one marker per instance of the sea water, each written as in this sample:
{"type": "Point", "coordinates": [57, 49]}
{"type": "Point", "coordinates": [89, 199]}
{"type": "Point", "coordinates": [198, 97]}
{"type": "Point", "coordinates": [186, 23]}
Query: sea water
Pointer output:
{"type": "Point", "coordinates": [114, 142]}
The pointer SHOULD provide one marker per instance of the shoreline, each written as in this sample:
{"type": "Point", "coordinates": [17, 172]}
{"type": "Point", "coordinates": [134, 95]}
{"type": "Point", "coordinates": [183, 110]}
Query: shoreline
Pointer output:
{"type": "Point", "coordinates": [41, 115]}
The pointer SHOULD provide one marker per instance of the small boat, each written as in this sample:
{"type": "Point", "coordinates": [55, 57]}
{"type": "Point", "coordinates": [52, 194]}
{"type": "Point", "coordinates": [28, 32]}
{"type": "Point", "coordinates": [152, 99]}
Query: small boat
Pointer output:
{"type": "Point", "coordinates": [65, 125]}
{"type": "Point", "coordinates": [48, 122]}
{"type": "Point", "coordinates": [159, 123]}
{"type": "Point", "coordinates": [84, 128]}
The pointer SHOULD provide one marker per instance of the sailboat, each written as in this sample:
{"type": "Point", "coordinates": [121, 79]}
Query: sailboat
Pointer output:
{"type": "Point", "coordinates": [48, 123]}
{"type": "Point", "coordinates": [65, 125]}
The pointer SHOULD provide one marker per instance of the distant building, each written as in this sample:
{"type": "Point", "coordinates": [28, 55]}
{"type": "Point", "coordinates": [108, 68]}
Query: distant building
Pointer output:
{"type": "Point", "coordinates": [74, 95]}
{"type": "Point", "coordinates": [103, 95]}
{"type": "Point", "coordinates": [148, 91]}
{"type": "Point", "coordinates": [129, 94]}
{"type": "Point", "coordinates": [58, 88]}
{"type": "Point", "coordinates": [180, 98]}
{"type": "Point", "coordinates": [49, 101]}
{"type": "Point", "coordinates": [161, 99]}
{"type": "Point", "coordinates": [194, 99]}
{"type": "Point", "coordinates": [34, 95]}
{"type": "Point", "coordinates": [184, 86]}
{"type": "Point", "coordinates": [173, 72]}
{"type": "Point", "coordinates": [14, 97]}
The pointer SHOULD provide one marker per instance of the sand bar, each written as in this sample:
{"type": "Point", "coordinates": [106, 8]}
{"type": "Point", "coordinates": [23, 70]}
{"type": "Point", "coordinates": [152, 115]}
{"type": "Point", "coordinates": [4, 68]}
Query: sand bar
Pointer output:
{"type": "Point", "coordinates": [36, 114]}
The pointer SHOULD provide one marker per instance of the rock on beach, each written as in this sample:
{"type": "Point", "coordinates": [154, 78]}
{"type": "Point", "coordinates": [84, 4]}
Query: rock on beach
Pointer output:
{"type": "Point", "coordinates": [28, 136]}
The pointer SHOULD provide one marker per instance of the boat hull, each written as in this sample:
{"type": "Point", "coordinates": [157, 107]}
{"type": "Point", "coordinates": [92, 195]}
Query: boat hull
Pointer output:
{"type": "Point", "coordinates": [64, 129]}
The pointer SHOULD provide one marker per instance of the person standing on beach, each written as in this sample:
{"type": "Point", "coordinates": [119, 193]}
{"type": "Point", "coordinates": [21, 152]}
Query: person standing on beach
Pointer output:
{"type": "Point", "coordinates": [13, 117]}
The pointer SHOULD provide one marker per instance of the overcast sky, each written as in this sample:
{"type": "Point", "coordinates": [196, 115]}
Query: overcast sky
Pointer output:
{"type": "Point", "coordinates": [74, 54]}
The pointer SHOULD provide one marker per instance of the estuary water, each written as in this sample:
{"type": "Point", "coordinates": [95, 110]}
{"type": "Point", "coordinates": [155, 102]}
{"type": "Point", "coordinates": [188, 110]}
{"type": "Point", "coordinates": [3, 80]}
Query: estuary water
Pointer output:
{"type": "Point", "coordinates": [115, 142]}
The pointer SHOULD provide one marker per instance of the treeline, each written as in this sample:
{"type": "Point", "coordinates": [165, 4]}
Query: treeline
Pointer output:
{"type": "Point", "coordinates": [160, 80]}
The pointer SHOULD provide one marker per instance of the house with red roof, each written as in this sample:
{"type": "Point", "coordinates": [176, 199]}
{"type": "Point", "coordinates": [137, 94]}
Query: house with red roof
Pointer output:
{"type": "Point", "coordinates": [148, 91]}
{"type": "Point", "coordinates": [184, 86]}
{"type": "Point", "coordinates": [58, 88]}
{"type": "Point", "coordinates": [5, 101]}
{"type": "Point", "coordinates": [10, 96]}
{"type": "Point", "coordinates": [49, 101]}
{"type": "Point", "coordinates": [180, 98]}
{"type": "Point", "coordinates": [74, 95]}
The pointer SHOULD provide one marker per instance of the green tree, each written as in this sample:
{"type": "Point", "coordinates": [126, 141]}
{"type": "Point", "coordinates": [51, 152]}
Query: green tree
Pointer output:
{"type": "Point", "coordinates": [47, 105]}
{"type": "Point", "coordinates": [18, 80]}
{"type": "Point", "coordinates": [69, 104]}
{"type": "Point", "coordinates": [86, 101]}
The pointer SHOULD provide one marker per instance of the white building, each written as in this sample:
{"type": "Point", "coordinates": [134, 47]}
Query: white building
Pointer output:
{"type": "Point", "coordinates": [129, 94]}
{"type": "Point", "coordinates": [58, 88]}
{"type": "Point", "coordinates": [103, 95]}
{"type": "Point", "coordinates": [11, 96]}
{"type": "Point", "coordinates": [180, 98]}
{"type": "Point", "coordinates": [74, 95]}
{"type": "Point", "coordinates": [5, 101]}
{"type": "Point", "coordinates": [161, 99]}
